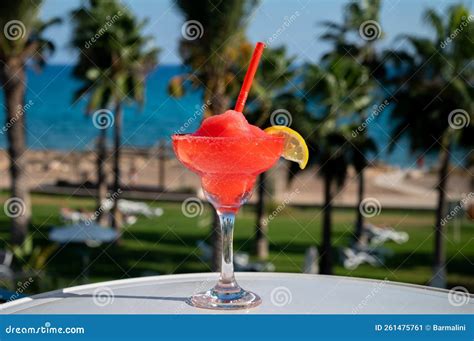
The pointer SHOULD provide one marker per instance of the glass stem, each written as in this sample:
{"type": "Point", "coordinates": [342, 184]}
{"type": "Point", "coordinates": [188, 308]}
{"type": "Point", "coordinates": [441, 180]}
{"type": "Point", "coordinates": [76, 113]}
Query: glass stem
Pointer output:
{"type": "Point", "coordinates": [227, 231]}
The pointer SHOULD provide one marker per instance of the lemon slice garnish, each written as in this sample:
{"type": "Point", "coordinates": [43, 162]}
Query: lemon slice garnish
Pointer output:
{"type": "Point", "coordinates": [295, 148]}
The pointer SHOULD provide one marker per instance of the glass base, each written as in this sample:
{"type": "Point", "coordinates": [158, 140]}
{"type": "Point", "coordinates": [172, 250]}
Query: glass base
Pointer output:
{"type": "Point", "coordinates": [220, 298]}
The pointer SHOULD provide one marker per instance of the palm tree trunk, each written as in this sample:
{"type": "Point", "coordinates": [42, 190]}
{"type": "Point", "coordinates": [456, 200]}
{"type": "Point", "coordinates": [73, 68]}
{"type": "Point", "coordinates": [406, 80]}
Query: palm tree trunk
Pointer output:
{"type": "Point", "coordinates": [470, 204]}
{"type": "Point", "coordinates": [161, 165]}
{"type": "Point", "coordinates": [116, 215]}
{"type": "Point", "coordinates": [261, 240]}
{"type": "Point", "coordinates": [326, 247]}
{"type": "Point", "coordinates": [439, 276]}
{"type": "Point", "coordinates": [101, 176]}
{"type": "Point", "coordinates": [13, 80]}
{"type": "Point", "coordinates": [360, 217]}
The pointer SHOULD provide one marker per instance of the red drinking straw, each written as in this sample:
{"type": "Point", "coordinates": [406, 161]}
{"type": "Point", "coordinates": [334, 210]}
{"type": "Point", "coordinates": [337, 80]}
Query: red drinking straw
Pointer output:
{"type": "Point", "coordinates": [244, 92]}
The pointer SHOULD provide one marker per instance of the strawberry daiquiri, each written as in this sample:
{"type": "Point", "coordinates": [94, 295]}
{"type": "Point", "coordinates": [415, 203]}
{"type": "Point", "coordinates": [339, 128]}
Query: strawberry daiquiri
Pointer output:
{"type": "Point", "coordinates": [228, 154]}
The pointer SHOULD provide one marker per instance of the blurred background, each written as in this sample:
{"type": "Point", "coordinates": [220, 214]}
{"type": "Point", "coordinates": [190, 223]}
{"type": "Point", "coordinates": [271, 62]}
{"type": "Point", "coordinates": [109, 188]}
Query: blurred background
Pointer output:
{"type": "Point", "coordinates": [382, 91]}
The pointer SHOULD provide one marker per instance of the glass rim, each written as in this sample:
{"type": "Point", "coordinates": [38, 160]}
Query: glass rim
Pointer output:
{"type": "Point", "coordinates": [225, 138]}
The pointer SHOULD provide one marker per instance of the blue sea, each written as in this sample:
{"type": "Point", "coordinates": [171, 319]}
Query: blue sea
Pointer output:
{"type": "Point", "coordinates": [55, 122]}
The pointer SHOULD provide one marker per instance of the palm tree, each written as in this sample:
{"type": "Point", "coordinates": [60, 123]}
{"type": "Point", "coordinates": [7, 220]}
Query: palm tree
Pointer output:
{"type": "Point", "coordinates": [329, 149]}
{"type": "Point", "coordinates": [269, 94]}
{"type": "Point", "coordinates": [333, 163]}
{"type": "Point", "coordinates": [213, 36]}
{"type": "Point", "coordinates": [356, 38]}
{"type": "Point", "coordinates": [361, 20]}
{"type": "Point", "coordinates": [361, 145]}
{"type": "Point", "coordinates": [21, 43]}
{"type": "Point", "coordinates": [358, 35]}
{"type": "Point", "coordinates": [114, 67]}
{"type": "Point", "coordinates": [98, 93]}
{"type": "Point", "coordinates": [338, 89]}
{"type": "Point", "coordinates": [96, 101]}
{"type": "Point", "coordinates": [434, 101]}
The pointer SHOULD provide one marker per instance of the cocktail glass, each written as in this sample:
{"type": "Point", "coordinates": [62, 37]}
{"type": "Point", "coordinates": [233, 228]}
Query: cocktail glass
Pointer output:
{"type": "Point", "coordinates": [228, 167]}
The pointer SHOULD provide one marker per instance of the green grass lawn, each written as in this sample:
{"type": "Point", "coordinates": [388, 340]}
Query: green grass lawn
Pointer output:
{"type": "Point", "coordinates": [167, 244]}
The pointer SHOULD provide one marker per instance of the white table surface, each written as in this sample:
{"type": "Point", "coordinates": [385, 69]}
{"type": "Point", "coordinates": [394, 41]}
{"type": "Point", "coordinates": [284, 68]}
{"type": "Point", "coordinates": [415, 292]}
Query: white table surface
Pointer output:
{"type": "Point", "coordinates": [281, 293]}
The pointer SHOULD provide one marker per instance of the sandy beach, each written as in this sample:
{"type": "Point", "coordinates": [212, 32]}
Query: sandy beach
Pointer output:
{"type": "Point", "coordinates": [392, 187]}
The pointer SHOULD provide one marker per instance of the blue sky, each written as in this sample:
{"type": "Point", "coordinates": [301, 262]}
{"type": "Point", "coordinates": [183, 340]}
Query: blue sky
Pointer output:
{"type": "Point", "coordinates": [301, 36]}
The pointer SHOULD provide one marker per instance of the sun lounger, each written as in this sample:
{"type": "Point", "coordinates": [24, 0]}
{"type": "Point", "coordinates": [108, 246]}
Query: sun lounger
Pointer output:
{"type": "Point", "coordinates": [353, 258]}
{"type": "Point", "coordinates": [311, 258]}
{"type": "Point", "coordinates": [133, 208]}
{"type": "Point", "coordinates": [378, 235]}
{"type": "Point", "coordinates": [6, 258]}
{"type": "Point", "coordinates": [73, 216]}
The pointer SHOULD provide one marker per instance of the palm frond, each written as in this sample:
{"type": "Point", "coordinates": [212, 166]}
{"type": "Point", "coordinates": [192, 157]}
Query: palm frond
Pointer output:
{"type": "Point", "coordinates": [436, 22]}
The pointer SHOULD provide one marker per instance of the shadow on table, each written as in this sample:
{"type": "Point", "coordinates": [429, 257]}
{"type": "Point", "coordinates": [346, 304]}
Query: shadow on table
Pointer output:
{"type": "Point", "coordinates": [72, 295]}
